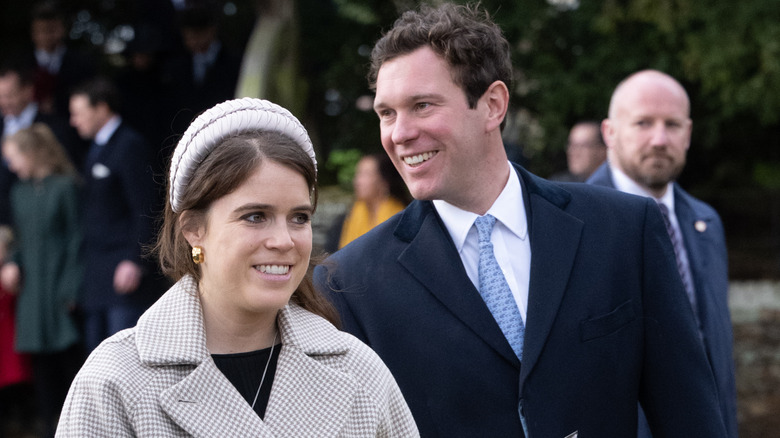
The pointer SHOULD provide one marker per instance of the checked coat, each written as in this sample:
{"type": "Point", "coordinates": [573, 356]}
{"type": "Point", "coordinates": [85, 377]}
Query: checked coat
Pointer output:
{"type": "Point", "coordinates": [158, 380]}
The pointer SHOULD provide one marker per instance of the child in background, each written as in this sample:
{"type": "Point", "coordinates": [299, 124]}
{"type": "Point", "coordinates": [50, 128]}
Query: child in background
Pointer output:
{"type": "Point", "coordinates": [46, 270]}
{"type": "Point", "coordinates": [15, 372]}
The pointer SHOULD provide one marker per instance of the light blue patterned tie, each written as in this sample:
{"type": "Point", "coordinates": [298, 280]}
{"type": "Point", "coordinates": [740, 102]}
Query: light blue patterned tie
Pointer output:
{"type": "Point", "coordinates": [495, 290]}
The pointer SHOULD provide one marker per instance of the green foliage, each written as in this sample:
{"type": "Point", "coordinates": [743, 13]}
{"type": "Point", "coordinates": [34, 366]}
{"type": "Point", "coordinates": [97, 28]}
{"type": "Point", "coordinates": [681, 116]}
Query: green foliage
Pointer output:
{"type": "Point", "coordinates": [343, 163]}
{"type": "Point", "coordinates": [767, 175]}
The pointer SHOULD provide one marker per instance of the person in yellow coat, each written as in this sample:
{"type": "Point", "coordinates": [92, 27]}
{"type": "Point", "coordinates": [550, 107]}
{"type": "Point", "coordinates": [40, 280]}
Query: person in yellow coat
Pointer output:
{"type": "Point", "coordinates": [379, 194]}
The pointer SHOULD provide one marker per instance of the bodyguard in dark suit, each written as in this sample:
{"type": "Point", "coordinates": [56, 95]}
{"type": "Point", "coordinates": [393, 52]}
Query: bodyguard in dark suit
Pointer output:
{"type": "Point", "coordinates": [119, 194]}
{"type": "Point", "coordinates": [648, 136]}
{"type": "Point", "coordinates": [592, 319]}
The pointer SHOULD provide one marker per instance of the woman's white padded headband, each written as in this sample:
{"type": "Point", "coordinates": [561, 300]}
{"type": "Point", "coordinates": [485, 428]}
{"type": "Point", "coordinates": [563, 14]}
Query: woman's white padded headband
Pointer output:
{"type": "Point", "coordinates": [224, 120]}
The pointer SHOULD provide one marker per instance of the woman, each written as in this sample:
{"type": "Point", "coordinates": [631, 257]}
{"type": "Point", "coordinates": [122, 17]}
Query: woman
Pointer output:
{"type": "Point", "coordinates": [240, 345]}
{"type": "Point", "coordinates": [379, 194]}
{"type": "Point", "coordinates": [47, 269]}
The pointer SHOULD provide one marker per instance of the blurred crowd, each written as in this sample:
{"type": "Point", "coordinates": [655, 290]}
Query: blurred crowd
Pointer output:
{"type": "Point", "coordinates": [85, 148]}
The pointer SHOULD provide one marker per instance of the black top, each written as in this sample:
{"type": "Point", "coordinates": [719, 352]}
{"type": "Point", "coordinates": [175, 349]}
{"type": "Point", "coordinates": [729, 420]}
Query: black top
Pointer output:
{"type": "Point", "coordinates": [245, 370]}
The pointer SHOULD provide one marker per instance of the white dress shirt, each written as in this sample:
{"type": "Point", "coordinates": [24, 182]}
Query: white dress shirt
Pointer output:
{"type": "Point", "coordinates": [511, 244]}
{"type": "Point", "coordinates": [104, 134]}
{"type": "Point", "coordinates": [24, 120]}
{"type": "Point", "coordinates": [51, 61]}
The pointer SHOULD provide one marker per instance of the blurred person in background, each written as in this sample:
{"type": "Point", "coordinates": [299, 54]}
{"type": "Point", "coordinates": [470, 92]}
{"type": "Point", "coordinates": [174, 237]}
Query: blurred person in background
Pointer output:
{"type": "Point", "coordinates": [47, 270]}
{"type": "Point", "coordinates": [15, 373]}
{"type": "Point", "coordinates": [585, 152]}
{"type": "Point", "coordinates": [206, 71]}
{"type": "Point", "coordinates": [19, 111]}
{"type": "Point", "coordinates": [118, 213]}
{"type": "Point", "coordinates": [59, 67]}
{"type": "Point", "coordinates": [380, 193]}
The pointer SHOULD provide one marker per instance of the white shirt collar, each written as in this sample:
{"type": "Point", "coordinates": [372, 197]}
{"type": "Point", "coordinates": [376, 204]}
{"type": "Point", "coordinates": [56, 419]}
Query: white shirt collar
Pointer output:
{"type": "Point", "coordinates": [627, 185]}
{"type": "Point", "coordinates": [23, 120]}
{"type": "Point", "coordinates": [105, 133]}
{"type": "Point", "coordinates": [505, 208]}
{"type": "Point", "coordinates": [51, 61]}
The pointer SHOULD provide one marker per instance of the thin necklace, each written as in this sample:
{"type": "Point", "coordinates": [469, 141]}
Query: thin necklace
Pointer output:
{"type": "Point", "coordinates": [273, 344]}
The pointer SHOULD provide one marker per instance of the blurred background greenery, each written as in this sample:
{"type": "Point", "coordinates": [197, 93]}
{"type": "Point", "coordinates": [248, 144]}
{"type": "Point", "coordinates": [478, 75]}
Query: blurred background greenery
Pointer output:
{"type": "Point", "coordinates": [568, 57]}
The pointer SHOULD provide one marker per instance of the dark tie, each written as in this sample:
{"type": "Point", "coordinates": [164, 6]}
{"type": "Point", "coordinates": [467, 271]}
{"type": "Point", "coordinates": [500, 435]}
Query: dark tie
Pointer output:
{"type": "Point", "coordinates": [682, 267]}
{"type": "Point", "coordinates": [94, 151]}
{"type": "Point", "coordinates": [495, 290]}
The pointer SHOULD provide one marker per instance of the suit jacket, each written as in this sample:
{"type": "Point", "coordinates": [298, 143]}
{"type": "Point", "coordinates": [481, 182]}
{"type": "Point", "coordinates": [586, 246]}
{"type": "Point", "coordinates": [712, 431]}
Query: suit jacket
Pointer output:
{"type": "Point", "coordinates": [77, 67]}
{"type": "Point", "coordinates": [189, 98]}
{"type": "Point", "coordinates": [158, 379]}
{"type": "Point", "coordinates": [599, 337]}
{"type": "Point", "coordinates": [706, 246]}
{"type": "Point", "coordinates": [118, 212]}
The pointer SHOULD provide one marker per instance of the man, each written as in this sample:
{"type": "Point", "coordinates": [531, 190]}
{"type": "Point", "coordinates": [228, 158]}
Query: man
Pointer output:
{"type": "Point", "coordinates": [206, 72]}
{"type": "Point", "coordinates": [575, 331]}
{"type": "Point", "coordinates": [585, 152]}
{"type": "Point", "coordinates": [59, 67]}
{"type": "Point", "coordinates": [648, 134]}
{"type": "Point", "coordinates": [19, 111]}
{"type": "Point", "coordinates": [119, 194]}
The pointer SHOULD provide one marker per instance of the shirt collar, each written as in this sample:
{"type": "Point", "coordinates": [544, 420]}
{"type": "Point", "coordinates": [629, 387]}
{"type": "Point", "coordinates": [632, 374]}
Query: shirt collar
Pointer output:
{"type": "Point", "coordinates": [105, 133]}
{"type": "Point", "coordinates": [627, 185]}
{"type": "Point", "coordinates": [51, 61]}
{"type": "Point", "coordinates": [23, 120]}
{"type": "Point", "coordinates": [210, 55]}
{"type": "Point", "coordinates": [505, 209]}
{"type": "Point", "coordinates": [27, 114]}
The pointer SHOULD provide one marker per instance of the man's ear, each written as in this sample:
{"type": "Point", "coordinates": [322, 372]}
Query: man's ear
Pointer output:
{"type": "Point", "coordinates": [607, 132]}
{"type": "Point", "coordinates": [497, 100]}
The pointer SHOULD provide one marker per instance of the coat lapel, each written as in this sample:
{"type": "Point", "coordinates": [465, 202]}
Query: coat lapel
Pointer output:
{"type": "Point", "coordinates": [206, 404]}
{"type": "Point", "coordinates": [696, 239]}
{"type": "Point", "coordinates": [555, 237]}
{"type": "Point", "coordinates": [308, 394]}
{"type": "Point", "coordinates": [433, 260]}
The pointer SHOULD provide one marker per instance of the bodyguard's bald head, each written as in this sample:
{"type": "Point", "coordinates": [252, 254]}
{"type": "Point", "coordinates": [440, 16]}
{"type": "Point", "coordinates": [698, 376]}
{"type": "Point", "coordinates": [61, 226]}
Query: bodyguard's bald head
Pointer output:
{"type": "Point", "coordinates": [646, 80]}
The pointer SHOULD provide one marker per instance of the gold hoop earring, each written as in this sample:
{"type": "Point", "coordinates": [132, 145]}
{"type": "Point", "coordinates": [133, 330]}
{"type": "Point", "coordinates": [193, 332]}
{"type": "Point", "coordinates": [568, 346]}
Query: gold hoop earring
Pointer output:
{"type": "Point", "coordinates": [197, 255]}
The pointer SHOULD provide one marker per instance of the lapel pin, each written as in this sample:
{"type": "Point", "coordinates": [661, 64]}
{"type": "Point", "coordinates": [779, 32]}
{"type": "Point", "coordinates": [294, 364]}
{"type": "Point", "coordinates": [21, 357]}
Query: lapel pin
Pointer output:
{"type": "Point", "coordinates": [700, 226]}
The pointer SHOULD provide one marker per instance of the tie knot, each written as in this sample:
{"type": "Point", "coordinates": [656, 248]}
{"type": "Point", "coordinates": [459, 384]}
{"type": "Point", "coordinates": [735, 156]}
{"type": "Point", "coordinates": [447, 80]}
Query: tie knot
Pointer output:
{"type": "Point", "coordinates": [664, 208]}
{"type": "Point", "coordinates": [484, 226]}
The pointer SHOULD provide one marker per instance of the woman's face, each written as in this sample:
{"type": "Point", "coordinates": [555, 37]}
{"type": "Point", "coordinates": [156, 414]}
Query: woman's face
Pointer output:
{"type": "Point", "coordinates": [18, 163]}
{"type": "Point", "coordinates": [256, 243]}
{"type": "Point", "coordinates": [368, 182]}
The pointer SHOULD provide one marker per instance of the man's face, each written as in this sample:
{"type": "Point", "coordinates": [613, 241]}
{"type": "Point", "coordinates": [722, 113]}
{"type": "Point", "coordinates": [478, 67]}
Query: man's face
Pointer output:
{"type": "Point", "coordinates": [434, 140]}
{"type": "Point", "coordinates": [14, 97]}
{"type": "Point", "coordinates": [47, 34]}
{"type": "Point", "coordinates": [584, 151]}
{"type": "Point", "coordinates": [198, 39]}
{"type": "Point", "coordinates": [649, 132]}
{"type": "Point", "coordinates": [87, 119]}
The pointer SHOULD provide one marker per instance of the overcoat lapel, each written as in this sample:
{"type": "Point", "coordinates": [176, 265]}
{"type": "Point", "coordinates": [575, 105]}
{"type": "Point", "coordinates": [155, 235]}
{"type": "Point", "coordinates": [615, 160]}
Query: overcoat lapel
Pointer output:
{"type": "Point", "coordinates": [700, 248]}
{"type": "Point", "coordinates": [308, 396]}
{"type": "Point", "coordinates": [206, 404]}
{"type": "Point", "coordinates": [696, 242]}
{"type": "Point", "coordinates": [433, 260]}
{"type": "Point", "coordinates": [555, 238]}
